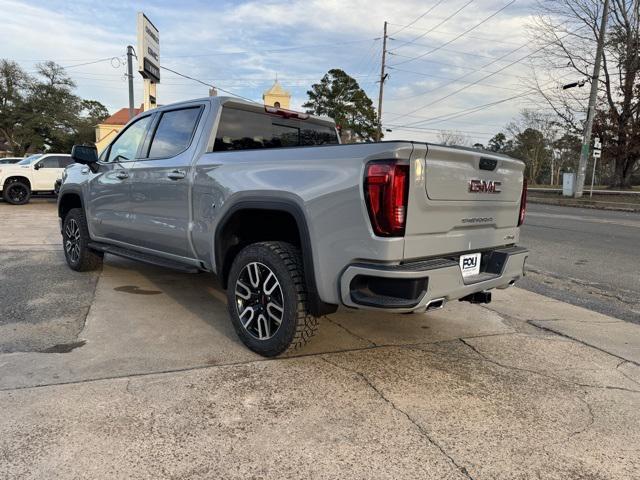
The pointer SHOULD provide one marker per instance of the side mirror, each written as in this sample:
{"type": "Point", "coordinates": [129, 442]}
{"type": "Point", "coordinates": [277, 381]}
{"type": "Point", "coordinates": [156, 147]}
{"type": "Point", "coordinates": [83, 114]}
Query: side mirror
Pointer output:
{"type": "Point", "coordinates": [84, 154]}
{"type": "Point", "coordinates": [37, 166]}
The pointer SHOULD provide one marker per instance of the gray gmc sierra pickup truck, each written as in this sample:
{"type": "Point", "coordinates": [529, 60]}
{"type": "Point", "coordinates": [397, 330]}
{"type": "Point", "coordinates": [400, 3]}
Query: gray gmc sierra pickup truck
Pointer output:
{"type": "Point", "coordinates": [292, 223]}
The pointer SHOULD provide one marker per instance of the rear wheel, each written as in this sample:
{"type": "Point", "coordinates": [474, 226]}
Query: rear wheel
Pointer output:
{"type": "Point", "coordinates": [267, 299]}
{"type": "Point", "coordinates": [17, 193]}
{"type": "Point", "coordinates": [75, 239]}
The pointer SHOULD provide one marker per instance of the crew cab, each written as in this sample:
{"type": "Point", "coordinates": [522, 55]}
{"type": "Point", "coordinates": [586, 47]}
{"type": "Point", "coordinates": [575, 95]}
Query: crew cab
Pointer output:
{"type": "Point", "coordinates": [294, 224]}
{"type": "Point", "coordinates": [35, 174]}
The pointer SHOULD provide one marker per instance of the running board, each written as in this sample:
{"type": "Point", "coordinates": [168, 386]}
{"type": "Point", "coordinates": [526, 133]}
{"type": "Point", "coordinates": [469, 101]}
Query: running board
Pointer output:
{"type": "Point", "coordinates": [143, 257]}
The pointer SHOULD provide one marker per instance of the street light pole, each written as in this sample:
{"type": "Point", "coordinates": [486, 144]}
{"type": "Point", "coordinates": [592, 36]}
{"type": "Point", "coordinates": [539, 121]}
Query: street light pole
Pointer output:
{"type": "Point", "coordinates": [586, 141]}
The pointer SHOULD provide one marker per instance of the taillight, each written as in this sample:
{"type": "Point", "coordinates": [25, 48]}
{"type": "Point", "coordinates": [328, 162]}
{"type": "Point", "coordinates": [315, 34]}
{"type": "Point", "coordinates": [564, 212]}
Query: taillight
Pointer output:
{"type": "Point", "coordinates": [386, 192]}
{"type": "Point", "coordinates": [523, 203]}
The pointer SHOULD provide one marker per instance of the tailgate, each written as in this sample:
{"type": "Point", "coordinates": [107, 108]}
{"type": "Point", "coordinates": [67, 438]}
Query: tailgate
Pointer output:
{"type": "Point", "coordinates": [469, 176]}
{"type": "Point", "coordinates": [461, 201]}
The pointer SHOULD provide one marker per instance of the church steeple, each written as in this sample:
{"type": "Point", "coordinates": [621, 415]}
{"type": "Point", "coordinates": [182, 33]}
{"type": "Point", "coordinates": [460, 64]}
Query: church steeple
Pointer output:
{"type": "Point", "coordinates": [277, 96]}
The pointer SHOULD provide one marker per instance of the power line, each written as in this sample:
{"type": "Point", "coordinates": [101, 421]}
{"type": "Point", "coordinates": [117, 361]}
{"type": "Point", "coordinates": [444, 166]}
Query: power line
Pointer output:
{"type": "Point", "coordinates": [438, 25]}
{"type": "Point", "coordinates": [95, 61]}
{"type": "Point", "coordinates": [460, 52]}
{"type": "Point", "coordinates": [471, 110]}
{"type": "Point", "coordinates": [461, 77]}
{"type": "Point", "coordinates": [400, 127]}
{"type": "Point", "coordinates": [207, 84]}
{"type": "Point", "coordinates": [453, 79]}
{"type": "Point", "coordinates": [479, 80]}
{"type": "Point", "coordinates": [495, 125]}
{"type": "Point", "coordinates": [273, 50]}
{"type": "Point", "coordinates": [467, 111]}
{"type": "Point", "coordinates": [479, 37]}
{"type": "Point", "coordinates": [459, 35]}
{"type": "Point", "coordinates": [448, 64]}
{"type": "Point", "coordinates": [418, 18]}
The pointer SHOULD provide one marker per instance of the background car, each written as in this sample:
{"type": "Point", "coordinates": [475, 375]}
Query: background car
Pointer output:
{"type": "Point", "coordinates": [35, 174]}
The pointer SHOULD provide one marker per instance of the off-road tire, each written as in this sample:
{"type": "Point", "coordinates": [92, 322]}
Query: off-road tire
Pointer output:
{"type": "Point", "coordinates": [83, 259]}
{"type": "Point", "coordinates": [297, 326]}
{"type": "Point", "coordinates": [9, 196]}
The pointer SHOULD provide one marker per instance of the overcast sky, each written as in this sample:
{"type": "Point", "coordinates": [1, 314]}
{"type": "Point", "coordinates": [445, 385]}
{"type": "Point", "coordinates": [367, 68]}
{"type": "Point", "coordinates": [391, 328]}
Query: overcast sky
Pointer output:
{"type": "Point", "coordinates": [241, 46]}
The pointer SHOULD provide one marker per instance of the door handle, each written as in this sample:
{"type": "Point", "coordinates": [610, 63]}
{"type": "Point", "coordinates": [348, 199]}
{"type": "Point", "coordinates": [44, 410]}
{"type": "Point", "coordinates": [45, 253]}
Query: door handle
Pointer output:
{"type": "Point", "coordinates": [176, 175]}
{"type": "Point", "coordinates": [122, 175]}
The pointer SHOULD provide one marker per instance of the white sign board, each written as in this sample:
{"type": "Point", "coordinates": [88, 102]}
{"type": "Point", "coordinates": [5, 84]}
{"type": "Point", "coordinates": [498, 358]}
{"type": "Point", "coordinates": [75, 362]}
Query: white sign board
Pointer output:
{"type": "Point", "coordinates": [596, 143]}
{"type": "Point", "coordinates": [148, 49]}
{"type": "Point", "coordinates": [597, 153]}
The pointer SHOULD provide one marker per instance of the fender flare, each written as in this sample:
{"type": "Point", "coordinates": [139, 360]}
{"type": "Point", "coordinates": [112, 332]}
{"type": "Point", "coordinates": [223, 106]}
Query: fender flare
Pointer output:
{"type": "Point", "coordinates": [66, 192]}
{"type": "Point", "coordinates": [317, 307]}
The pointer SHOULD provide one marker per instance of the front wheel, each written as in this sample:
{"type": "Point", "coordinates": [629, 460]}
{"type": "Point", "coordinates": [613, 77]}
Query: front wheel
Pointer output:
{"type": "Point", "coordinates": [75, 240]}
{"type": "Point", "coordinates": [17, 193]}
{"type": "Point", "coordinates": [267, 299]}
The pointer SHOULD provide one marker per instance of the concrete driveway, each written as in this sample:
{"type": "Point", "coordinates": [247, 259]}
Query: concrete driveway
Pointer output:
{"type": "Point", "coordinates": [153, 383]}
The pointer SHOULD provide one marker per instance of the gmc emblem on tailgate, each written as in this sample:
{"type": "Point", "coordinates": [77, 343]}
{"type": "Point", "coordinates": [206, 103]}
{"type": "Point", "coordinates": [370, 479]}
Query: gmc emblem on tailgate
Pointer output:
{"type": "Point", "coordinates": [484, 186]}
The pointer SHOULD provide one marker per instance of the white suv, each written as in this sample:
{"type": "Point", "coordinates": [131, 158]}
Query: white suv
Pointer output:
{"type": "Point", "coordinates": [37, 173]}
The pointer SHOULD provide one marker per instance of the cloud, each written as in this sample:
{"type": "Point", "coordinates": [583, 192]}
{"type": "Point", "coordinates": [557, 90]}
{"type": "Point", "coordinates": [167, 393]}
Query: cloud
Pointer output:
{"type": "Point", "coordinates": [241, 46]}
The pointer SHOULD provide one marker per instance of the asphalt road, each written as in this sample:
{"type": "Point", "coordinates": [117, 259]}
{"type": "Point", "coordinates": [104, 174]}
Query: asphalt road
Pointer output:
{"type": "Point", "coordinates": [586, 257]}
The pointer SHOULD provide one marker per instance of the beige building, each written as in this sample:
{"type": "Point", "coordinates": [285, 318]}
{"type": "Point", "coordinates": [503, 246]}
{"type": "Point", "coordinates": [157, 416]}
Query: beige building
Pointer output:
{"type": "Point", "coordinates": [109, 128]}
{"type": "Point", "coordinates": [277, 97]}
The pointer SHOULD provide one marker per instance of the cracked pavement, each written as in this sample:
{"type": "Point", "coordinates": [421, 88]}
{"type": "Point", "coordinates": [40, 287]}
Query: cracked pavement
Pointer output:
{"type": "Point", "coordinates": [156, 385]}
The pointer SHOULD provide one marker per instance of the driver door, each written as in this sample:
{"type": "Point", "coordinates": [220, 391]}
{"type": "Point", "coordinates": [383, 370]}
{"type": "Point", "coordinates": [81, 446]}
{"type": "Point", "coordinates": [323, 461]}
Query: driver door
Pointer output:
{"type": "Point", "coordinates": [109, 189]}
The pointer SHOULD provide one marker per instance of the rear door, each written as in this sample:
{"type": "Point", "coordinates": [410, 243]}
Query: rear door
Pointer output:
{"type": "Point", "coordinates": [461, 201]}
{"type": "Point", "coordinates": [160, 203]}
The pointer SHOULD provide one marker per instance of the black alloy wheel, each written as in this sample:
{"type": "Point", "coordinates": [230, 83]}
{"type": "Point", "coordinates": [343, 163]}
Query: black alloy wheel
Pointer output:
{"type": "Point", "coordinates": [75, 241]}
{"type": "Point", "coordinates": [267, 298]}
{"type": "Point", "coordinates": [17, 193]}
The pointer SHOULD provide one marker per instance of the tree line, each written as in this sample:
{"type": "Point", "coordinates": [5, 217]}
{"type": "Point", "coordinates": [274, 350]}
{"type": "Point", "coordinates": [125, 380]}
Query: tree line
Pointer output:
{"type": "Point", "coordinates": [40, 112]}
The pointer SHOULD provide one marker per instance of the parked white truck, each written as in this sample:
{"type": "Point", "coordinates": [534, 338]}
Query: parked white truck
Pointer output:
{"type": "Point", "coordinates": [294, 224]}
{"type": "Point", "coordinates": [35, 174]}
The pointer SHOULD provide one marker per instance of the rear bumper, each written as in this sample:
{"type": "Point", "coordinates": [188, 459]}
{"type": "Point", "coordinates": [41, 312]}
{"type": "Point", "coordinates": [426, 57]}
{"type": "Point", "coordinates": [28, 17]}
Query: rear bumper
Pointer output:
{"type": "Point", "coordinates": [412, 287]}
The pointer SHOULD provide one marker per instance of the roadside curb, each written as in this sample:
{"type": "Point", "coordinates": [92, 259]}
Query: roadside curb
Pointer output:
{"type": "Point", "coordinates": [563, 203]}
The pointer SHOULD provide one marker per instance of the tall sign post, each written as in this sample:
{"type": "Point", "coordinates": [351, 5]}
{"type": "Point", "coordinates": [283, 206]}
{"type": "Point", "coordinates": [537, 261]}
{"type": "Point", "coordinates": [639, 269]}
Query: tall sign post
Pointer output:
{"type": "Point", "coordinates": [148, 59]}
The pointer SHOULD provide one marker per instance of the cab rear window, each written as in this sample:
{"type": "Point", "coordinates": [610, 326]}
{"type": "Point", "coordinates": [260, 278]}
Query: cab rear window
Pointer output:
{"type": "Point", "coordinates": [244, 130]}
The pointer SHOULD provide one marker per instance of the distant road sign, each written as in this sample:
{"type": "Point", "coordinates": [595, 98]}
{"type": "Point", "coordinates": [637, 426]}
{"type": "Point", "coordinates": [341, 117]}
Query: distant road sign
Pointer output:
{"type": "Point", "coordinates": [597, 153]}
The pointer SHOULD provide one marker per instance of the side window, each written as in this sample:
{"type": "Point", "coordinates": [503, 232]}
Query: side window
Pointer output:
{"type": "Point", "coordinates": [244, 130]}
{"type": "Point", "coordinates": [174, 132]}
{"type": "Point", "coordinates": [126, 145]}
{"type": "Point", "coordinates": [64, 162]}
{"type": "Point", "coordinates": [49, 162]}
{"type": "Point", "coordinates": [241, 130]}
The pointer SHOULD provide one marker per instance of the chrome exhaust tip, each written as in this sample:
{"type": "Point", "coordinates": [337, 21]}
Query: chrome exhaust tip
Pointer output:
{"type": "Point", "coordinates": [435, 304]}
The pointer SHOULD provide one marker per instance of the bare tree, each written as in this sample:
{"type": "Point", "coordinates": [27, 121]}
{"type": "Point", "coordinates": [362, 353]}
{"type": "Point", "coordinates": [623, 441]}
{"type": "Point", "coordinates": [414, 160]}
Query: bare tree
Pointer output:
{"type": "Point", "coordinates": [452, 137]}
{"type": "Point", "coordinates": [533, 134]}
{"type": "Point", "coordinates": [567, 33]}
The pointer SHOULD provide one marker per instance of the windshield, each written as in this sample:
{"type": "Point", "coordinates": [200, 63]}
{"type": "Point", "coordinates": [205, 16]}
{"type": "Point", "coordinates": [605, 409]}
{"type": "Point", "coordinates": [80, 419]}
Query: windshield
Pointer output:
{"type": "Point", "coordinates": [30, 160]}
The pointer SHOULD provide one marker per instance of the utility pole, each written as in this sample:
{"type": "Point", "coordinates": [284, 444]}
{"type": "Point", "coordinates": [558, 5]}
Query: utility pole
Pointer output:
{"type": "Point", "coordinates": [383, 77]}
{"type": "Point", "coordinates": [586, 141]}
{"type": "Point", "coordinates": [130, 79]}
